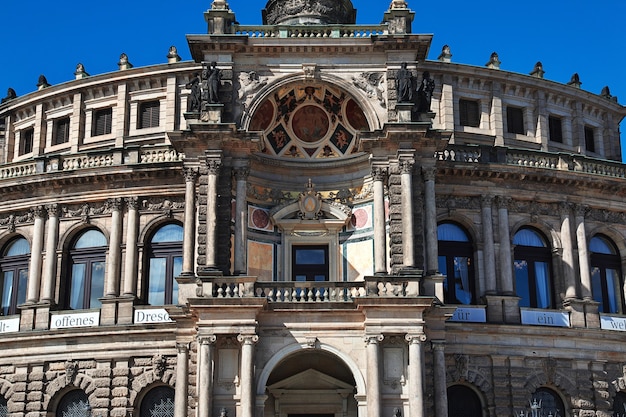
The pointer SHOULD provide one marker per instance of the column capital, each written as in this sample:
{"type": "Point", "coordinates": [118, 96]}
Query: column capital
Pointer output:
{"type": "Point", "coordinates": [132, 203]}
{"type": "Point", "coordinates": [207, 340]}
{"type": "Point", "coordinates": [53, 210]}
{"type": "Point", "coordinates": [415, 338]}
{"type": "Point", "coordinates": [504, 202]}
{"type": "Point", "coordinates": [241, 173]}
{"type": "Point", "coordinates": [564, 208]}
{"type": "Point", "coordinates": [182, 347]}
{"type": "Point", "coordinates": [373, 339]}
{"type": "Point", "coordinates": [429, 173]}
{"type": "Point", "coordinates": [438, 345]}
{"type": "Point", "coordinates": [190, 174]}
{"type": "Point", "coordinates": [39, 211]}
{"type": "Point", "coordinates": [486, 200]}
{"type": "Point", "coordinates": [379, 173]}
{"type": "Point", "coordinates": [115, 204]}
{"type": "Point", "coordinates": [247, 339]}
{"type": "Point", "coordinates": [581, 210]}
{"type": "Point", "coordinates": [406, 166]}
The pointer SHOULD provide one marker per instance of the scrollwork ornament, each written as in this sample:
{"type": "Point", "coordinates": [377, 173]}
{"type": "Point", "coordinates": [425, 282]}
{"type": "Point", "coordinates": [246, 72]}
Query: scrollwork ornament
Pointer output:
{"type": "Point", "coordinates": [373, 339]}
{"type": "Point", "coordinates": [415, 338]}
{"type": "Point", "coordinates": [247, 339]}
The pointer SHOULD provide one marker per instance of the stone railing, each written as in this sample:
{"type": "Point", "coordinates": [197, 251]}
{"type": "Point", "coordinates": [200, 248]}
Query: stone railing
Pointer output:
{"type": "Point", "coordinates": [18, 170]}
{"type": "Point", "coordinates": [479, 154]}
{"type": "Point", "coordinates": [74, 162]}
{"type": "Point", "coordinates": [313, 291]}
{"type": "Point", "coordinates": [159, 155]}
{"type": "Point", "coordinates": [311, 31]}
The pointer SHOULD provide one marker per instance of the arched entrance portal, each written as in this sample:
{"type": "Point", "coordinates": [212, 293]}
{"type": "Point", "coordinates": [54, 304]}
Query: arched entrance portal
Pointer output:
{"type": "Point", "coordinates": [310, 383]}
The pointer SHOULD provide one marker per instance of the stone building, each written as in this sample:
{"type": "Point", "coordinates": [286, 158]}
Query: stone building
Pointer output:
{"type": "Point", "coordinates": [311, 218]}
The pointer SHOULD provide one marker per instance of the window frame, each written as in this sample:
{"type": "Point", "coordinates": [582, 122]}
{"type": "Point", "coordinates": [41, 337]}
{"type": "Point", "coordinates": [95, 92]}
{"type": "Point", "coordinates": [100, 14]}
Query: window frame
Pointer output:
{"type": "Point", "coordinates": [153, 115]}
{"type": "Point", "coordinates": [533, 255]}
{"type": "Point", "coordinates": [590, 138]}
{"type": "Point", "coordinates": [27, 141]}
{"type": "Point", "coordinates": [604, 262]}
{"type": "Point", "coordinates": [14, 264]}
{"type": "Point", "coordinates": [310, 271]}
{"type": "Point", "coordinates": [451, 250]}
{"type": "Point", "coordinates": [61, 125]}
{"type": "Point", "coordinates": [555, 128]}
{"type": "Point", "coordinates": [88, 256]}
{"type": "Point", "coordinates": [465, 115]}
{"type": "Point", "coordinates": [97, 115]}
{"type": "Point", "coordinates": [158, 250]}
{"type": "Point", "coordinates": [515, 123]}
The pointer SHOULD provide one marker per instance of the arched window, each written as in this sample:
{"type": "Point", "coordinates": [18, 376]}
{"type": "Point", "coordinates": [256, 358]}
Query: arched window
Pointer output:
{"type": "Point", "coordinates": [606, 284]}
{"type": "Point", "coordinates": [14, 266]}
{"type": "Point", "coordinates": [549, 401]}
{"type": "Point", "coordinates": [463, 402]}
{"type": "Point", "coordinates": [533, 282]}
{"type": "Point", "coordinates": [158, 402]}
{"type": "Point", "coordinates": [619, 404]}
{"type": "Point", "coordinates": [74, 404]}
{"type": "Point", "coordinates": [164, 263]}
{"type": "Point", "coordinates": [456, 263]}
{"type": "Point", "coordinates": [86, 269]}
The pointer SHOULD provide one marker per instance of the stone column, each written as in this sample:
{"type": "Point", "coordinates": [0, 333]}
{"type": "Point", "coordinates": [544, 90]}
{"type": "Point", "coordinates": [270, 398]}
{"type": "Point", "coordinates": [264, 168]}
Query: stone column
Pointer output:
{"type": "Point", "coordinates": [241, 221]}
{"type": "Point", "coordinates": [416, 374]}
{"type": "Point", "coordinates": [408, 233]}
{"type": "Point", "coordinates": [115, 250]}
{"type": "Point", "coordinates": [130, 261]}
{"type": "Point", "coordinates": [374, 407]}
{"type": "Point", "coordinates": [205, 374]}
{"type": "Point", "coordinates": [50, 263]}
{"type": "Point", "coordinates": [247, 373]}
{"type": "Point", "coordinates": [583, 253]}
{"type": "Point", "coordinates": [506, 264]}
{"type": "Point", "coordinates": [34, 269]}
{"type": "Point", "coordinates": [213, 164]}
{"type": "Point", "coordinates": [180, 391]}
{"type": "Point", "coordinates": [380, 242]}
{"type": "Point", "coordinates": [189, 226]}
{"type": "Point", "coordinates": [441, 392]}
{"type": "Point", "coordinates": [430, 215]}
{"type": "Point", "coordinates": [569, 275]}
{"type": "Point", "coordinates": [488, 245]}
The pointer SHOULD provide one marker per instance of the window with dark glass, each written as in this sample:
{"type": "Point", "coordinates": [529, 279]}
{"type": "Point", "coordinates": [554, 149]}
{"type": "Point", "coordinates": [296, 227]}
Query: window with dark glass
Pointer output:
{"type": "Point", "coordinates": [456, 263]}
{"type": "Point", "coordinates": [310, 263]}
{"type": "Point", "coordinates": [86, 266]}
{"type": "Point", "coordinates": [61, 131]}
{"type": "Point", "coordinates": [469, 113]}
{"type": "Point", "coordinates": [533, 281]}
{"type": "Point", "coordinates": [26, 141]}
{"type": "Point", "coordinates": [4, 410]}
{"type": "Point", "coordinates": [158, 402]}
{"type": "Point", "coordinates": [14, 266]}
{"type": "Point", "coordinates": [102, 122]}
{"type": "Point", "coordinates": [550, 402]}
{"type": "Point", "coordinates": [619, 404]}
{"type": "Point", "coordinates": [515, 120]}
{"type": "Point", "coordinates": [590, 141]}
{"type": "Point", "coordinates": [555, 128]}
{"type": "Point", "coordinates": [463, 402]}
{"type": "Point", "coordinates": [165, 262]}
{"type": "Point", "coordinates": [149, 114]}
{"type": "Point", "coordinates": [73, 404]}
{"type": "Point", "coordinates": [606, 282]}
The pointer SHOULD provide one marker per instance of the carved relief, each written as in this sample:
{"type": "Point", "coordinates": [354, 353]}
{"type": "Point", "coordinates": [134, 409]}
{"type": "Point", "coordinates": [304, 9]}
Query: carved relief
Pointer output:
{"type": "Point", "coordinates": [373, 84]}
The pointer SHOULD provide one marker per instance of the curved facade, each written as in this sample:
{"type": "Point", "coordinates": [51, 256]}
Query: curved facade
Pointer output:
{"type": "Point", "coordinates": [311, 218]}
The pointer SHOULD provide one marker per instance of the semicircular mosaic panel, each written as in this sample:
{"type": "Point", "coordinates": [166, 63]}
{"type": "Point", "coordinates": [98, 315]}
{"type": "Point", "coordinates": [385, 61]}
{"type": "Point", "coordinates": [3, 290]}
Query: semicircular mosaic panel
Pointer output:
{"type": "Point", "coordinates": [309, 121]}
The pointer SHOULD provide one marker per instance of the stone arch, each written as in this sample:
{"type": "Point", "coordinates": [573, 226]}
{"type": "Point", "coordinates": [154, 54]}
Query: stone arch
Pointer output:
{"type": "Point", "coordinates": [299, 347]}
{"type": "Point", "coordinates": [144, 382]}
{"type": "Point", "coordinates": [7, 389]}
{"type": "Point", "coordinates": [62, 384]}
{"type": "Point", "coordinates": [373, 118]}
{"type": "Point", "coordinates": [556, 381]}
{"type": "Point", "coordinates": [73, 231]}
{"type": "Point", "coordinates": [152, 225]}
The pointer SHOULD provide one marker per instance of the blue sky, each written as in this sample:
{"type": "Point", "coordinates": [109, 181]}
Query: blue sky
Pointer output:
{"type": "Point", "coordinates": [574, 36]}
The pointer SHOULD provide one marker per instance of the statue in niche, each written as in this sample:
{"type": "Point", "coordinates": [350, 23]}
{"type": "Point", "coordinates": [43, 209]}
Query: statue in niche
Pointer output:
{"type": "Point", "coordinates": [194, 100]}
{"type": "Point", "coordinates": [10, 95]}
{"type": "Point", "coordinates": [425, 93]}
{"type": "Point", "coordinates": [211, 77]}
{"type": "Point", "coordinates": [405, 84]}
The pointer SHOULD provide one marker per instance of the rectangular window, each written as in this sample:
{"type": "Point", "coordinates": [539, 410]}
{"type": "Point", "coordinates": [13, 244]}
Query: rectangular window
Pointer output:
{"type": "Point", "coordinates": [556, 130]}
{"type": "Point", "coordinates": [310, 263]}
{"type": "Point", "coordinates": [26, 141]}
{"type": "Point", "coordinates": [515, 120]}
{"type": "Point", "coordinates": [148, 114]}
{"type": "Point", "coordinates": [469, 113]}
{"type": "Point", "coordinates": [61, 132]}
{"type": "Point", "coordinates": [102, 122]}
{"type": "Point", "coordinates": [590, 142]}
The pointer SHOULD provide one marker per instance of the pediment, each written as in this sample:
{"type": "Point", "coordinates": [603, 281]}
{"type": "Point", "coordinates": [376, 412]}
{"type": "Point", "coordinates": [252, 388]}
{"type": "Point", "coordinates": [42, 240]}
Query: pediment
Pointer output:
{"type": "Point", "coordinates": [310, 379]}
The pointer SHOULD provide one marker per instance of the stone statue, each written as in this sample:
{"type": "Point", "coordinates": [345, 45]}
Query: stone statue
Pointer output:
{"type": "Point", "coordinates": [194, 100]}
{"type": "Point", "coordinates": [404, 84]}
{"type": "Point", "coordinates": [42, 82]}
{"type": "Point", "coordinates": [10, 95]}
{"type": "Point", "coordinates": [211, 75]}
{"type": "Point", "coordinates": [425, 93]}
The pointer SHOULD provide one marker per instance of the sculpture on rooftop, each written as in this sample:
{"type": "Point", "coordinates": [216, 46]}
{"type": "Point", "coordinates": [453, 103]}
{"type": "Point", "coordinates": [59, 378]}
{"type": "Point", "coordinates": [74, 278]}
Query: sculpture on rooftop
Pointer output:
{"type": "Point", "coordinates": [211, 79]}
{"type": "Point", "coordinates": [405, 84]}
{"type": "Point", "coordinates": [195, 96]}
{"type": "Point", "coordinates": [425, 93]}
{"type": "Point", "coordinates": [42, 82]}
{"type": "Point", "coordinates": [10, 95]}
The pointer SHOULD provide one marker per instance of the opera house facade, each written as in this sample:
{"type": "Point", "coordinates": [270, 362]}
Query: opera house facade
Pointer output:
{"type": "Point", "coordinates": [311, 218]}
